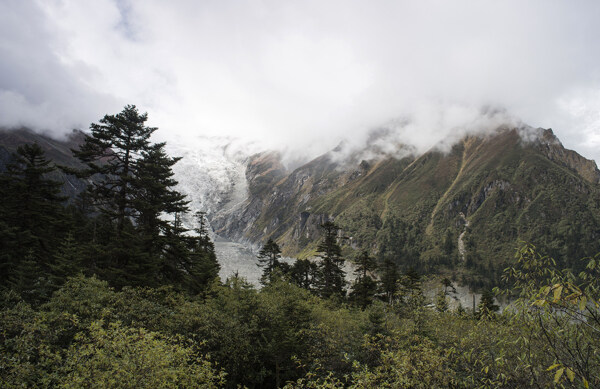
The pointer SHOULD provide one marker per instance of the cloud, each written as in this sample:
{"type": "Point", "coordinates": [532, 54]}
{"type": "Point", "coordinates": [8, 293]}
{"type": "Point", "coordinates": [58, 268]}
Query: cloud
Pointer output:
{"type": "Point", "coordinates": [303, 75]}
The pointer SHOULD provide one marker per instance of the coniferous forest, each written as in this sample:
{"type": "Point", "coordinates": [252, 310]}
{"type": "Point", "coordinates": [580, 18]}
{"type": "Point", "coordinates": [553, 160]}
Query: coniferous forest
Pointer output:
{"type": "Point", "coordinates": [111, 290]}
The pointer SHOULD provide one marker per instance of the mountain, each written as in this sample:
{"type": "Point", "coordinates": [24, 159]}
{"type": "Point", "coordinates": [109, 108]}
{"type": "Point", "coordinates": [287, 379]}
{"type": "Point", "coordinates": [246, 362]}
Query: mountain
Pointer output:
{"type": "Point", "coordinates": [56, 150]}
{"type": "Point", "coordinates": [461, 212]}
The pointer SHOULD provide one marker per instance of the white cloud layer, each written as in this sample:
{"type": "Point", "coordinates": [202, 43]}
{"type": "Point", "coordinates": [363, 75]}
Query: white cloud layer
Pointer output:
{"type": "Point", "coordinates": [302, 74]}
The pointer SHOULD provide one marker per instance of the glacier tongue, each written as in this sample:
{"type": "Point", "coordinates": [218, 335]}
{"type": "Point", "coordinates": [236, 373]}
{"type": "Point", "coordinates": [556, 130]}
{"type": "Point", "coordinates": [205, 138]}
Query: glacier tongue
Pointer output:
{"type": "Point", "coordinates": [212, 173]}
{"type": "Point", "coordinates": [209, 170]}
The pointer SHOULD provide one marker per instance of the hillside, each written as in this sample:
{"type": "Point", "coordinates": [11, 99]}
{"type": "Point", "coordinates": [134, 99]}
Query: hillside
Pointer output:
{"type": "Point", "coordinates": [461, 213]}
{"type": "Point", "coordinates": [486, 195]}
{"type": "Point", "coordinates": [58, 151]}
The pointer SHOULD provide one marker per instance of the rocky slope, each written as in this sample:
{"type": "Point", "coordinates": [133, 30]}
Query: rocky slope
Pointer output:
{"type": "Point", "coordinates": [492, 191]}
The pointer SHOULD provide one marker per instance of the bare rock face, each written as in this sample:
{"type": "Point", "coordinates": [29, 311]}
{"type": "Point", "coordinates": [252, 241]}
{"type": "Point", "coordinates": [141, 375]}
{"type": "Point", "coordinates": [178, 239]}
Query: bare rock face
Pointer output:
{"type": "Point", "coordinates": [554, 150]}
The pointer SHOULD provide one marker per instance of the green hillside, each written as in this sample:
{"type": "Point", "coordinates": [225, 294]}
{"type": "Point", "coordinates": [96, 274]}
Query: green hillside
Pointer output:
{"type": "Point", "coordinates": [413, 210]}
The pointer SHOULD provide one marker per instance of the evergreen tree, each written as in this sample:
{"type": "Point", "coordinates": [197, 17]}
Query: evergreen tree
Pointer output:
{"type": "Point", "coordinates": [32, 200]}
{"type": "Point", "coordinates": [154, 194]}
{"type": "Point", "coordinates": [67, 262]}
{"type": "Point", "coordinates": [134, 188]}
{"type": "Point", "coordinates": [389, 279]}
{"type": "Point", "coordinates": [31, 212]}
{"type": "Point", "coordinates": [153, 198]}
{"type": "Point", "coordinates": [486, 308]}
{"type": "Point", "coordinates": [441, 303]}
{"type": "Point", "coordinates": [364, 286]}
{"type": "Point", "coordinates": [331, 277]}
{"type": "Point", "coordinates": [448, 286]}
{"type": "Point", "coordinates": [203, 266]}
{"type": "Point", "coordinates": [111, 154]}
{"type": "Point", "coordinates": [304, 273]}
{"type": "Point", "coordinates": [29, 279]}
{"type": "Point", "coordinates": [268, 259]}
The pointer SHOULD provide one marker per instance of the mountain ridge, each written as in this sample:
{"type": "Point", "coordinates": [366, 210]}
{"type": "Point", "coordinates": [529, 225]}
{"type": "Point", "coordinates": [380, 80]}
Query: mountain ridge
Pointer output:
{"type": "Point", "coordinates": [485, 194]}
{"type": "Point", "coordinates": [410, 208]}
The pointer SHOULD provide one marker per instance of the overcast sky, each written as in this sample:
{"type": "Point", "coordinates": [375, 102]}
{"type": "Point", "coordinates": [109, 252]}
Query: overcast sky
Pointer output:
{"type": "Point", "coordinates": [302, 74]}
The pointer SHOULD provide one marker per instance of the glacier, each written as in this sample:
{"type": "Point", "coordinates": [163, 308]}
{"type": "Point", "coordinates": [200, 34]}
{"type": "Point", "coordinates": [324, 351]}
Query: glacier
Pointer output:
{"type": "Point", "coordinates": [212, 174]}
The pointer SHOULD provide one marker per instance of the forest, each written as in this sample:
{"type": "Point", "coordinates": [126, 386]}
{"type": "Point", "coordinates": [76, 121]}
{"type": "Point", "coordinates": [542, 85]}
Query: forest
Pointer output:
{"type": "Point", "coordinates": [111, 290]}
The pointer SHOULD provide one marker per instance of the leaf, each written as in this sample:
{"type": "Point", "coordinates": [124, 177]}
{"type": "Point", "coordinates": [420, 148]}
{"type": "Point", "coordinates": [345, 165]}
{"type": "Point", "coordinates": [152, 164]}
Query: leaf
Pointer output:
{"type": "Point", "coordinates": [570, 374]}
{"type": "Point", "coordinates": [586, 384]}
{"type": "Point", "coordinates": [582, 303]}
{"type": "Point", "coordinates": [540, 303]}
{"type": "Point", "coordinates": [558, 292]}
{"type": "Point", "coordinates": [553, 367]}
{"type": "Point", "coordinates": [558, 374]}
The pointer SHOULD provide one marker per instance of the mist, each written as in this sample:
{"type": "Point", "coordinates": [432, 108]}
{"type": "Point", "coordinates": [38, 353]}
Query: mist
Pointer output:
{"type": "Point", "coordinates": [303, 76]}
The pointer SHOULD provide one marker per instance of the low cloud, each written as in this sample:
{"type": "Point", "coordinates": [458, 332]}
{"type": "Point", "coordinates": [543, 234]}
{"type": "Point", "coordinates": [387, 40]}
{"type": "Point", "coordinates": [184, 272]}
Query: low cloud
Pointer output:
{"type": "Point", "coordinates": [304, 75]}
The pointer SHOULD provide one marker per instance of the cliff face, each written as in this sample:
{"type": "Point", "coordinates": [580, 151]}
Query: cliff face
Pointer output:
{"type": "Point", "coordinates": [554, 150]}
{"type": "Point", "coordinates": [508, 187]}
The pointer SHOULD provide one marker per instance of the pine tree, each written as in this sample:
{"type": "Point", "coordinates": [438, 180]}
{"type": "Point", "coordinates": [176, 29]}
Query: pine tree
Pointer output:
{"type": "Point", "coordinates": [203, 266]}
{"type": "Point", "coordinates": [389, 279]}
{"type": "Point", "coordinates": [411, 292]}
{"type": "Point", "coordinates": [29, 279]}
{"type": "Point", "coordinates": [441, 303]}
{"type": "Point", "coordinates": [34, 202]}
{"type": "Point", "coordinates": [364, 286]}
{"type": "Point", "coordinates": [67, 262]}
{"type": "Point", "coordinates": [153, 190]}
{"type": "Point", "coordinates": [31, 210]}
{"type": "Point", "coordinates": [486, 308]}
{"type": "Point", "coordinates": [111, 154]}
{"type": "Point", "coordinates": [268, 259]}
{"type": "Point", "coordinates": [154, 197]}
{"type": "Point", "coordinates": [304, 273]}
{"type": "Point", "coordinates": [331, 282]}
{"type": "Point", "coordinates": [134, 188]}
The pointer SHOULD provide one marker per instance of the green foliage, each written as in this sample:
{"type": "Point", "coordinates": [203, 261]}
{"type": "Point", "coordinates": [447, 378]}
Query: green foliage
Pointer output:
{"type": "Point", "coordinates": [331, 280]}
{"type": "Point", "coordinates": [563, 311]}
{"type": "Point", "coordinates": [108, 356]}
{"type": "Point", "coordinates": [487, 308]}
{"type": "Point", "coordinates": [389, 279]}
{"type": "Point", "coordinates": [155, 315]}
{"type": "Point", "coordinates": [268, 258]}
{"type": "Point", "coordinates": [125, 228]}
{"type": "Point", "coordinates": [33, 221]}
{"type": "Point", "coordinates": [411, 362]}
{"type": "Point", "coordinates": [364, 287]}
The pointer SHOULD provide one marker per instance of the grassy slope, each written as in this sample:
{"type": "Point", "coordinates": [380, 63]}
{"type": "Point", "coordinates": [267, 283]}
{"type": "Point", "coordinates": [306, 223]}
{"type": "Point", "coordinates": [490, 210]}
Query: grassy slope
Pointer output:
{"type": "Point", "coordinates": [407, 209]}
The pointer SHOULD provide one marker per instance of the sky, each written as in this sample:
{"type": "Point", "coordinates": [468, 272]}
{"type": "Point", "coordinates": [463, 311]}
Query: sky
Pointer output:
{"type": "Point", "coordinates": [303, 75]}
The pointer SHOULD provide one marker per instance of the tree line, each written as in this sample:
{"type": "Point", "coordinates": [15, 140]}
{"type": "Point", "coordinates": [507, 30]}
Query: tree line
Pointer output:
{"type": "Point", "coordinates": [125, 227]}
{"type": "Point", "coordinates": [111, 290]}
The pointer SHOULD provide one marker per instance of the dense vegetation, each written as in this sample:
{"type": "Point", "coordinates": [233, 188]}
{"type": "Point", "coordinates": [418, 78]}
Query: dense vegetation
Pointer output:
{"type": "Point", "coordinates": [112, 291]}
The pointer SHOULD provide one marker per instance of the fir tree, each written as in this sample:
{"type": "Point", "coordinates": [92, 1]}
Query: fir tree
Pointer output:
{"type": "Point", "coordinates": [31, 211]}
{"type": "Point", "coordinates": [364, 286]}
{"type": "Point", "coordinates": [441, 303]}
{"type": "Point", "coordinates": [486, 308]}
{"type": "Point", "coordinates": [304, 273]}
{"type": "Point", "coordinates": [331, 282]}
{"type": "Point", "coordinates": [111, 154]}
{"type": "Point", "coordinates": [389, 279]}
{"type": "Point", "coordinates": [202, 266]}
{"type": "Point", "coordinates": [154, 194]}
{"type": "Point", "coordinates": [67, 261]}
{"type": "Point", "coordinates": [268, 259]}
